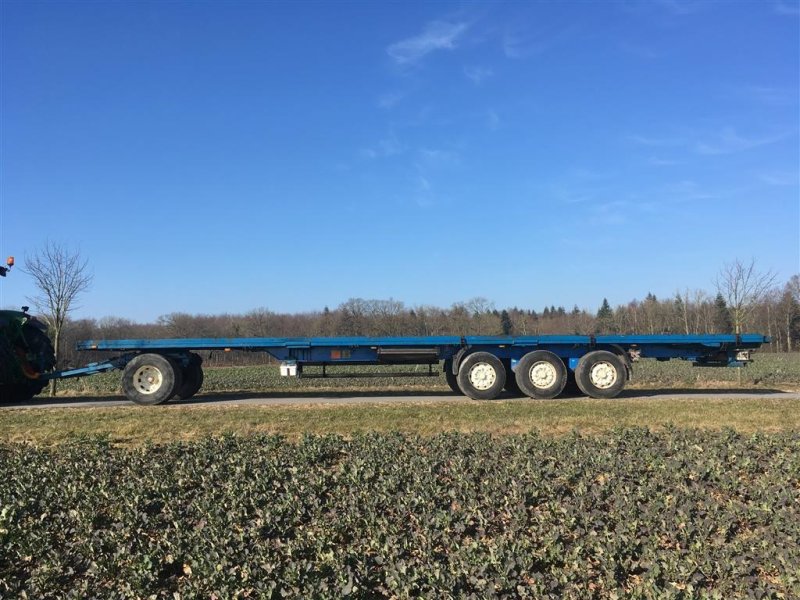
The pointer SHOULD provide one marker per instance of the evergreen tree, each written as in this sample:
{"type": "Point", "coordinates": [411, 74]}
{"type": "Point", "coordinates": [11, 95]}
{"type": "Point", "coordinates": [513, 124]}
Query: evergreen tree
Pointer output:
{"type": "Point", "coordinates": [605, 317]}
{"type": "Point", "coordinates": [605, 311]}
{"type": "Point", "coordinates": [723, 322]}
{"type": "Point", "coordinates": [505, 323]}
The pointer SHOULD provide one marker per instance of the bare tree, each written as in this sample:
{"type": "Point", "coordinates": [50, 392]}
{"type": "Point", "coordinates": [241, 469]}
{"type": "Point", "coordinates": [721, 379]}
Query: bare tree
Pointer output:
{"type": "Point", "coordinates": [743, 286]}
{"type": "Point", "coordinates": [789, 308]}
{"type": "Point", "coordinates": [60, 275]}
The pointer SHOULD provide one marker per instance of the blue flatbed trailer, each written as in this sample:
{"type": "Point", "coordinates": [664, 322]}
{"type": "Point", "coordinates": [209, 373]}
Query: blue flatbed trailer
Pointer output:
{"type": "Point", "coordinates": [154, 371]}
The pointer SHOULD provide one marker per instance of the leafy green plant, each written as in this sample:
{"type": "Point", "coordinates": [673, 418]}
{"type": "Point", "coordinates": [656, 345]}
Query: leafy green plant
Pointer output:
{"type": "Point", "coordinates": [635, 513]}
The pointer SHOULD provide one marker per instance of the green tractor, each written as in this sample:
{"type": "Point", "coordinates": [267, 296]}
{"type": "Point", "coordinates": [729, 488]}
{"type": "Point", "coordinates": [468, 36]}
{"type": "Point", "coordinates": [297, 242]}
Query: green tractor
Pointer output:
{"type": "Point", "coordinates": [26, 353]}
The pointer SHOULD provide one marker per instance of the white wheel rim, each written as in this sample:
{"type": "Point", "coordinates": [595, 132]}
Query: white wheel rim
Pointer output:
{"type": "Point", "coordinates": [482, 376]}
{"type": "Point", "coordinates": [147, 379]}
{"type": "Point", "coordinates": [543, 374]}
{"type": "Point", "coordinates": [603, 375]}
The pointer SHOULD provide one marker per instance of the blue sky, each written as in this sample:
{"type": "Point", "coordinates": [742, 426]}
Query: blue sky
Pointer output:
{"type": "Point", "coordinates": [213, 157]}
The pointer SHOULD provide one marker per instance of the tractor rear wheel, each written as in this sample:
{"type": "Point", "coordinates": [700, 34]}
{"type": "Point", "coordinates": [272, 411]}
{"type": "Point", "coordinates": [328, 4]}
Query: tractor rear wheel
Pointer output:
{"type": "Point", "coordinates": [34, 355]}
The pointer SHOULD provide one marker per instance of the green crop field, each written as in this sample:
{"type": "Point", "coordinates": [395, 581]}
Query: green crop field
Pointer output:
{"type": "Point", "coordinates": [766, 370]}
{"type": "Point", "coordinates": [627, 514]}
{"type": "Point", "coordinates": [568, 498]}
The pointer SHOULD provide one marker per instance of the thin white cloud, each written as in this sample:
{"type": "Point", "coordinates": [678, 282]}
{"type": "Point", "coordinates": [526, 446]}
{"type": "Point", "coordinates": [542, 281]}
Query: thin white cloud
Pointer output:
{"type": "Point", "coordinates": [639, 51]}
{"type": "Point", "coordinates": [492, 120]}
{"type": "Point", "coordinates": [611, 213]}
{"type": "Point", "coordinates": [477, 74]}
{"type": "Point", "coordinates": [770, 95]}
{"type": "Point", "coordinates": [730, 142]}
{"type": "Point", "coordinates": [657, 161]}
{"type": "Point", "coordinates": [687, 190]}
{"type": "Point", "coordinates": [787, 9]}
{"type": "Point", "coordinates": [680, 8]}
{"type": "Point", "coordinates": [437, 35]}
{"type": "Point", "coordinates": [390, 99]}
{"type": "Point", "coordinates": [779, 178]}
{"type": "Point", "coordinates": [524, 44]}
{"type": "Point", "coordinates": [644, 140]}
{"type": "Point", "coordinates": [435, 157]}
{"type": "Point", "coordinates": [387, 147]}
{"type": "Point", "coordinates": [422, 192]}
{"type": "Point", "coordinates": [727, 141]}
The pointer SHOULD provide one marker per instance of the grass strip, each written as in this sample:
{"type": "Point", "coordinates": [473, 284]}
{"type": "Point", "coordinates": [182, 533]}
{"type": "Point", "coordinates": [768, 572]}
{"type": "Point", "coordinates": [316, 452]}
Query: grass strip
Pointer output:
{"type": "Point", "coordinates": [136, 425]}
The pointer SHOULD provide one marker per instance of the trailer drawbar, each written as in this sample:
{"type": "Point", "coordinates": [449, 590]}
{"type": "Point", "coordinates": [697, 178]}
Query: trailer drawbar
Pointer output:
{"type": "Point", "coordinates": [480, 367]}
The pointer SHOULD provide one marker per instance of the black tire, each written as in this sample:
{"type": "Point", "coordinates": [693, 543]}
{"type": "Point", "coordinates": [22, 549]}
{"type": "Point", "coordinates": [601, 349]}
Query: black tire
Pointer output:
{"type": "Point", "coordinates": [192, 377]}
{"type": "Point", "coordinates": [151, 379]}
{"type": "Point", "coordinates": [541, 374]}
{"type": "Point", "coordinates": [601, 374]}
{"type": "Point", "coordinates": [481, 376]}
{"type": "Point", "coordinates": [511, 386]}
{"type": "Point", "coordinates": [451, 378]}
{"type": "Point", "coordinates": [36, 356]}
{"type": "Point", "coordinates": [40, 350]}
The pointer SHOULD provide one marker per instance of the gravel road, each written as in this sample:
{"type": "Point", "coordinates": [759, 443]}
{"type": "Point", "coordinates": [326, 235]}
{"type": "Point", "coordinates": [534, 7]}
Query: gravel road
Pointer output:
{"type": "Point", "coordinates": [300, 398]}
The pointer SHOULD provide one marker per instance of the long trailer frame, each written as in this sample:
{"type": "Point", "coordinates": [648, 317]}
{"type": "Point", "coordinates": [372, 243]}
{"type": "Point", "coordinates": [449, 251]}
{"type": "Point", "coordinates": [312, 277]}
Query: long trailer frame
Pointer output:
{"type": "Point", "coordinates": [154, 371]}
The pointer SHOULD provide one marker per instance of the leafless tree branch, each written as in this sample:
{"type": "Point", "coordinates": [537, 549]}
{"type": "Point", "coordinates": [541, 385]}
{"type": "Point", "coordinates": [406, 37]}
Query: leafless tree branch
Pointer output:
{"type": "Point", "coordinates": [60, 275]}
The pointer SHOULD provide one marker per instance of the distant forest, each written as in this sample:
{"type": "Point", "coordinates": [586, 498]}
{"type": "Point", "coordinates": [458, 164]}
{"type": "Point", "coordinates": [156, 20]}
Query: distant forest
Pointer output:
{"type": "Point", "coordinates": [776, 313]}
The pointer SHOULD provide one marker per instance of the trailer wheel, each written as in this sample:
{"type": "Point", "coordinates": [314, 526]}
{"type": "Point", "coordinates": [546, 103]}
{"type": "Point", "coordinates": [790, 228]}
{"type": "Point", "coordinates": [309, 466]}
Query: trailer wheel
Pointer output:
{"type": "Point", "coordinates": [151, 379]}
{"type": "Point", "coordinates": [192, 377]}
{"type": "Point", "coordinates": [481, 376]}
{"type": "Point", "coordinates": [601, 374]}
{"type": "Point", "coordinates": [451, 378]}
{"type": "Point", "coordinates": [541, 374]}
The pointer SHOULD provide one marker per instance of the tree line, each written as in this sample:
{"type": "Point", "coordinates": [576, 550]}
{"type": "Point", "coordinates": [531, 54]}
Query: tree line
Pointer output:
{"type": "Point", "coordinates": [776, 313]}
{"type": "Point", "coordinates": [746, 299]}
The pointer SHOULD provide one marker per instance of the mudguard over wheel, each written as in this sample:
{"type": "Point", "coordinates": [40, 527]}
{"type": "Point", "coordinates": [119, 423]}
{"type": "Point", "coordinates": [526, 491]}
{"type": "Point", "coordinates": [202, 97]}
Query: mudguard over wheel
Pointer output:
{"type": "Point", "coordinates": [192, 377]}
{"type": "Point", "coordinates": [481, 376]}
{"type": "Point", "coordinates": [601, 374]}
{"type": "Point", "coordinates": [541, 374]}
{"type": "Point", "coordinates": [151, 379]}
